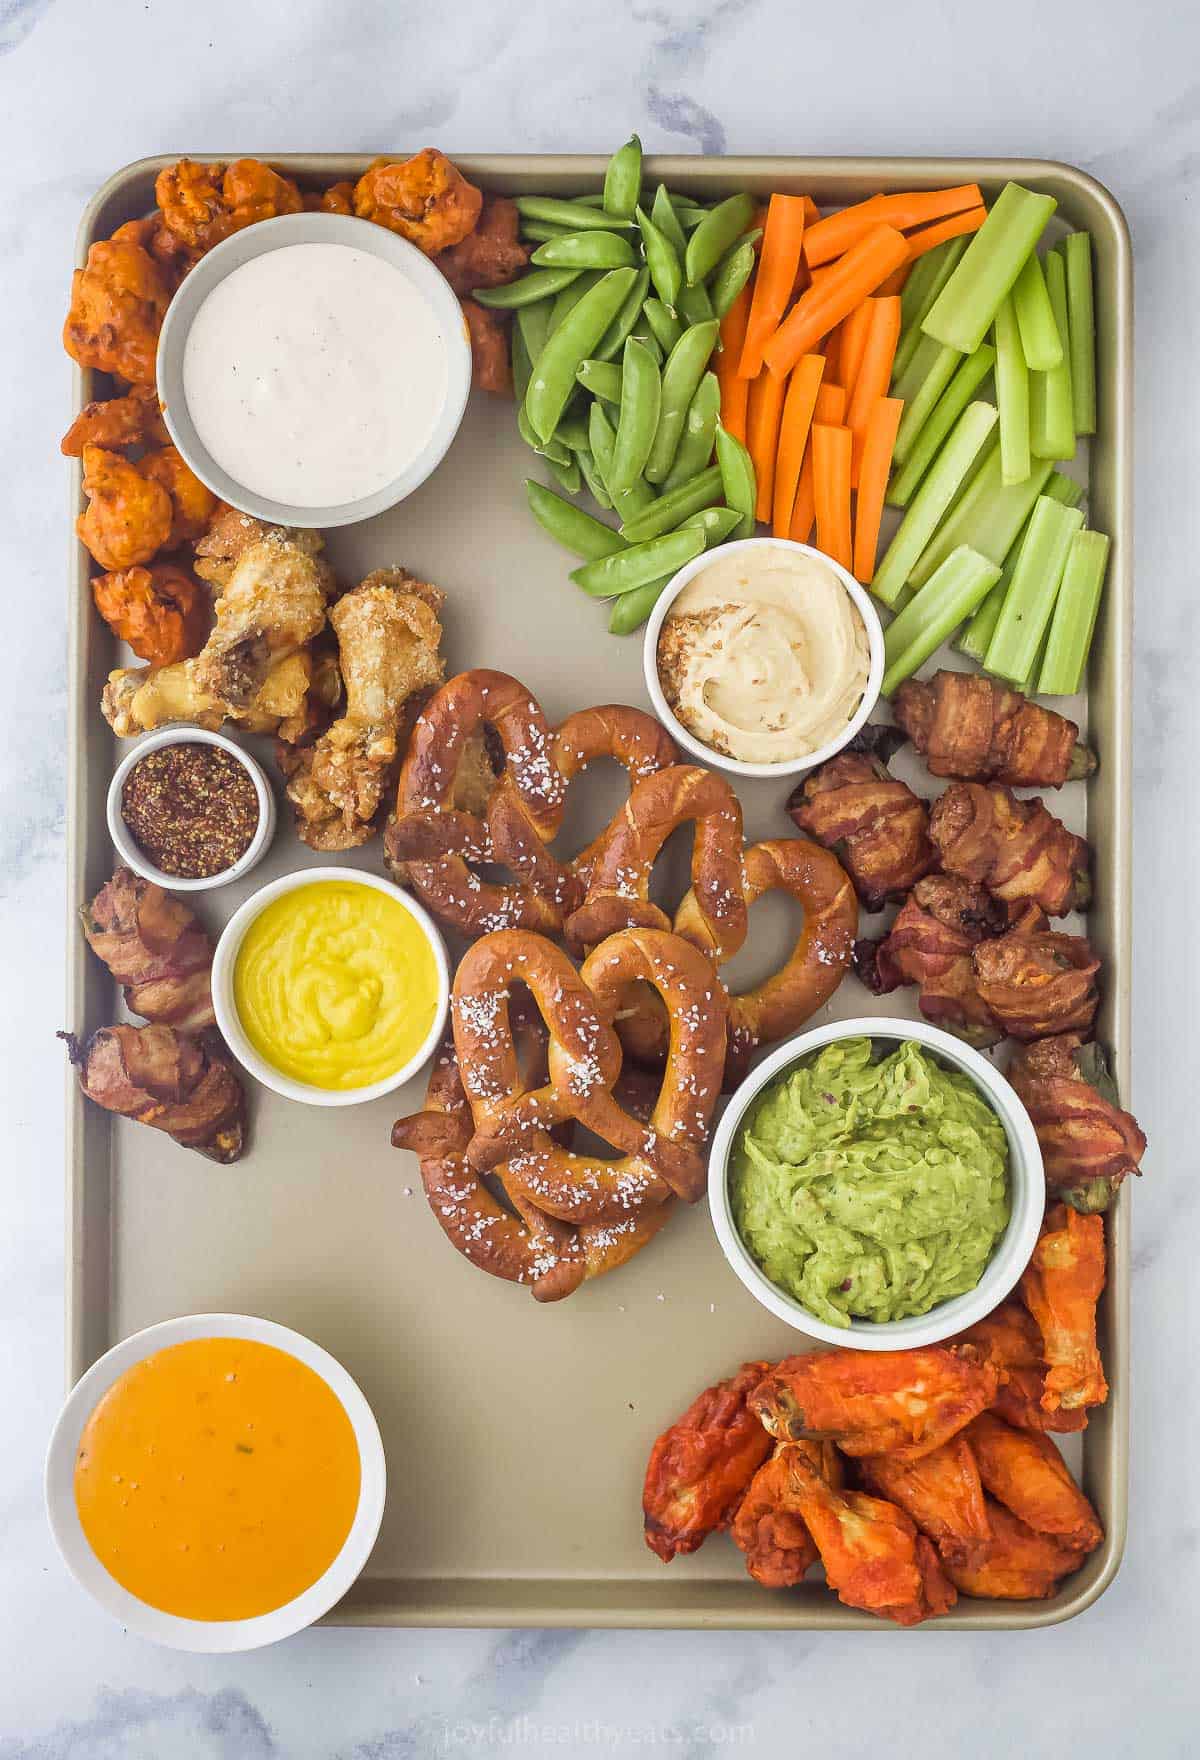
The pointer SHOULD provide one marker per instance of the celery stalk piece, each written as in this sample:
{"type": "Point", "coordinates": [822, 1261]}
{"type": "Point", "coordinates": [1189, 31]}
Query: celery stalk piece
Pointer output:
{"type": "Point", "coordinates": [954, 592]}
{"type": "Point", "coordinates": [1075, 613]}
{"type": "Point", "coordinates": [929, 275]}
{"type": "Point", "coordinates": [921, 450]}
{"type": "Point", "coordinates": [1029, 603]}
{"type": "Point", "coordinates": [1012, 396]}
{"type": "Point", "coordinates": [977, 635]}
{"type": "Point", "coordinates": [1051, 402]}
{"type": "Point", "coordinates": [1081, 320]}
{"type": "Point", "coordinates": [965, 310]}
{"type": "Point", "coordinates": [931, 500]}
{"type": "Point", "coordinates": [988, 516]}
{"type": "Point", "coordinates": [926, 357]}
{"type": "Point", "coordinates": [1040, 342]}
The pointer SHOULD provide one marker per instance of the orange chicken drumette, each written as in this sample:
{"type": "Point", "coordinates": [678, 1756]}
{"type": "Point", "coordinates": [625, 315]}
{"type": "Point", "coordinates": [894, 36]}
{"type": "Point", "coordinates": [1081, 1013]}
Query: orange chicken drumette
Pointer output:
{"type": "Point", "coordinates": [941, 1492]}
{"type": "Point", "coordinates": [1026, 1473]}
{"type": "Point", "coordinates": [1061, 1288]}
{"type": "Point", "coordinates": [699, 1469]}
{"type": "Point", "coordinates": [1017, 1564]}
{"type": "Point", "coordinates": [768, 1527]}
{"type": "Point", "coordinates": [1009, 1340]}
{"type": "Point", "coordinates": [904, 1403]}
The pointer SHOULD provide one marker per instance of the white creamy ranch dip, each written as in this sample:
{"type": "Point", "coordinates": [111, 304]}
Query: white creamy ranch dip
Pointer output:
{"type": "Point", "coordinates": [764, 656]}
{"type": "Point", "coordinates": [315, 374]}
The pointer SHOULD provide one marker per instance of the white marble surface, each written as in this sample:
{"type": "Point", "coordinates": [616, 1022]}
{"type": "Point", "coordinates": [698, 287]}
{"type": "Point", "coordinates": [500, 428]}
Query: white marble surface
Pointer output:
{"type": "Point", "coordinates": [88, 84]}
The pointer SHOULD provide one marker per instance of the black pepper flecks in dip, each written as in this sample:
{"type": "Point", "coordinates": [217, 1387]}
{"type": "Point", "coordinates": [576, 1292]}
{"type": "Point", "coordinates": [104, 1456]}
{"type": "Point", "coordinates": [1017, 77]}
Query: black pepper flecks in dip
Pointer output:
{"type": "Point", "coordinates": [191, 809]}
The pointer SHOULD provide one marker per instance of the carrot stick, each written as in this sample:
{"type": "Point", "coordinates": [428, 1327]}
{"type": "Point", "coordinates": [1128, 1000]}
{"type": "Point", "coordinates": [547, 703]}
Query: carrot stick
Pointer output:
{"type": "Point", "coordinates": [853, 332]}
{"type": "Point", "coordinates": [734, 391]}
{"type": "Point", "coordinates": [853, 277]}
{"type": "Point", "coordinates": [811, 211]}
{"type": "Point", "coordinates": [895, 282]}
{"type": "Point", "coordinates": [804, 382]}
{"type": "Point", "coordinates": [831, 348]}
{"type": "Point", "coordinates": [830, 407]}
{"type": "Point", "coordinates": [831, 491]}
{"type": "Point", "coordinates": [762, 436]}
{"type": "Point", "coordinates": [875, 374]}
{"type": "Point", "coordinates": [930, 236]}
{"type": "Point", "coordinates": [878, 440]}
{"type": "Point", "coordinates": [775, 277]}
{"type": "Point", "coordinates": [841, 232]}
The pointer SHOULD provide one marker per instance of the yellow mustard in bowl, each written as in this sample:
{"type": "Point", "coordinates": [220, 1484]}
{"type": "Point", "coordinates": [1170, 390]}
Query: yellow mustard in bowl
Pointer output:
{"type": "Point", "coordinates": [336, 985]}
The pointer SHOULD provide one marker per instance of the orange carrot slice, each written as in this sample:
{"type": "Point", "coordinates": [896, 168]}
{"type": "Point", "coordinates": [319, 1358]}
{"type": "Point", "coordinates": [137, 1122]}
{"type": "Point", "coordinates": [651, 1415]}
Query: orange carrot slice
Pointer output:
{"type": "Point", "coordinates": [875, 373]}
{"type": "Point", "coordinates": [734, 390]}
{"type": "Point", "coordinates": [929, 236]}
{"type": "Point", "coordinates": [776, 276]}
{"type": "Point", "coordinates": [831, 491]}
{"type": "Point", "coordinates": [841, 232]}
{"type": "Point", "coordinates": [878, 440]}
{"type": "Point", "coordinates": [830, 407]}
{"type": "Point", "coordinates": [799, 404]}
{"type": "Point", "coordinates": [852, 278]}
{"type": "Point", "coordinates": [853, 332]}
{"type": "Point", "coordinates": [762, 435]}
{"type": "Point", "coordinates": [895, 281]}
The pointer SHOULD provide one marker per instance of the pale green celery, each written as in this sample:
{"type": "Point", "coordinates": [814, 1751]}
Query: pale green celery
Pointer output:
{"type": "Point", "coordinates": [1075, 613]}
{"type": "Point", "coordinates": [921, 404]}
{"type": "Point", "coordinates": [931, 500]}
{"type": "Point", "coordinates": [1041, 344]}
{"type": "Point", "coordinates": [976, 637]}
{"type": "Point", "coordinates": [964, 311]}
{"type": "Point", "coordinates": [953, 593]}
{"type": "Point", "coordinates": [930, 274]}
{"type": "Point", "coordinates": [1029, 602]}
{"type": "Point", "coordinates": [988, 516]}
{"type": "Point", "coordinates": [921, 451]}
{"type": "Point", "coordinates": [1051, 403]}
{"type": "Point", "coordinates": [1012, 396]}
{"type": "Point", "coordinates": [1081, 317]}
{"type": "Point", "coordinates": [925, 358]}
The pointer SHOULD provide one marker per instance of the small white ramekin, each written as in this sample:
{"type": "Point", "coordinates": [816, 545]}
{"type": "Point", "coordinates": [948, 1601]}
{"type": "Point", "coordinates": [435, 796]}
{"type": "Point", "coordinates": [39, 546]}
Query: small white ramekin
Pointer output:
{"type": "Point", "coordinates": [225, 1007]}
{"type": "Point", "coordinates": [737, 766]}
{"type": "Point", "coordinates": [133, 857]}
{"type": "Point", "coordinates": [212, 1636]}
{"type": "Point", "coordinates": [1027, 1191]}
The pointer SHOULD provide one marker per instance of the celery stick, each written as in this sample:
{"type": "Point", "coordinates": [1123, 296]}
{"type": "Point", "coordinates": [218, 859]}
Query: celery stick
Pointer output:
{"type": "Point", "coordinates": [953, 593]}
{"type": "Point", "coordinates": [931, 500]}
{"type": "Point", "coordinates": [929, 275]}
{"type": "Point", "coordinates": [1074, 614]}
{"type": "Point", "coordinates": [988, 516]}
{"type": "Point", "coordinates": [965, 309]}
{"type": "Point", "coordinates": [928, 353]}
{"type": "Point", "coordinates": [975, 638]}
{"type": "Point", "coordinates": [1081, 320]}
{"type": "Point", "coordinates": [1012, 396]}
{"type": "Point", "coordinates": [1029, 602]}
{"type": "Point", "coordinates": [920, 450]}
{"type": "Point", "coordinates": [1040, 341]}
{"type": "Point", "coordinates": [1051, 412]}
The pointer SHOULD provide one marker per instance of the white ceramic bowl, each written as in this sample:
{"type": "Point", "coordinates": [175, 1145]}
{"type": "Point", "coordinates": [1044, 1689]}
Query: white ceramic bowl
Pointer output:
{"type": "Point", "coordinates": [168, 1628]}
{"type": "Point", "coordinates": [135, 858]}
{"type": "Point", "coordinates": [225, 1008]}
{"type": "Point", "coordinates": [1027, 1191]}
{"type": "Point", "coordinates": [736, 766]}
{"type": "Point", "coordinates": [274, 235]}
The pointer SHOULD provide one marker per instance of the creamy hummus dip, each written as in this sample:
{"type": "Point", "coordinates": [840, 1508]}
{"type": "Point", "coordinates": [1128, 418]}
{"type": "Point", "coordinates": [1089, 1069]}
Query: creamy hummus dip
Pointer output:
{"type": "Point", "coordinates": [764, 656]}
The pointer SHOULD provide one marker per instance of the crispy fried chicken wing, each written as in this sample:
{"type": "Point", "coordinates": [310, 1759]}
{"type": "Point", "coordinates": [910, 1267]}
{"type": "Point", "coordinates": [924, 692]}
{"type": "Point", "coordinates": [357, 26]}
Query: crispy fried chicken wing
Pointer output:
{"type": "Point", "coordinates": [155, 947]}
{"type": "Point", "coordinates": [976, 729]}
{"type": "Point", "coordinates": [1038, 982]}
{"type": "Point", "coordinates": [1016, 1564]}
{"type": "Point", "coordinates": [1016, 848]}
{"type": "Point", "coordinates": [941, 1493]}
{"type": "Point", "coordinates": [768, 1529]}
{"type": "Point", "coordinates": [160, 611]}
{"type": "Point", "coordinates": [876, 826]}
{"type": "Point", "coordinates": [1061, 1287]}
{"type": "Point", "coordinates": [905, 1403]}
{"type": "Point", "coordinates": [1008, 1339]}
{"type": "Point", "coordinates": [231, 532]}
{"type": "Point", "coordinates": [425, 199]}
{"type": "Point", "coordinates": [181, 1083]}
{"type": "Point", "coordinates": [699, 1469]}
{"type": "Point", "coordinates": [1089, 1145]}
{"type": "Point", "coordinates": [128, 517]}
{"type": "Point", "coordinates": [137, 699]}
{"type": "Point", "coordinates": [192, 503]}
{"type": "Point", "coordinates": [132, 420]}
{"type": "Point", "coordinates": [492, 254]}
{"type": "Point", "coordinates": [940, 926]}
{"type": "Point", "coordinates": [118, 302]}
{"type": "Point", "coordinates": [1026, 1473]}
{"type": "Point", "coordinates": [490, 368]}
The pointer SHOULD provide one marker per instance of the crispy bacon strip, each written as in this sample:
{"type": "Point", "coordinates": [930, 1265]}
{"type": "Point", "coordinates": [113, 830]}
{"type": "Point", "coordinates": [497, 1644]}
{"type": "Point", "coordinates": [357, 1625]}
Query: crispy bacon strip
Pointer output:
{"type": "Point", "coordinates": [1038, 983]}
{"type": "Point", "coordinates": [1089, 1144]}
{"type": "Point", "coordinates": [976, 729]}
{"type": "Point", "coordinates": [874, 823]}
{"type": "Point", "coordinates": [1061, 1288]}
{"type": "Point", "coordinates": [699, 1469]}
{"type": "Point", "coordinates": [1016, 848]}
{"type": "Point", "coordinates": [940, 926]}
{"type": "Point", "coordinates": [176, 1082]}
{"type": "Point", "coordinates": [155, 947]}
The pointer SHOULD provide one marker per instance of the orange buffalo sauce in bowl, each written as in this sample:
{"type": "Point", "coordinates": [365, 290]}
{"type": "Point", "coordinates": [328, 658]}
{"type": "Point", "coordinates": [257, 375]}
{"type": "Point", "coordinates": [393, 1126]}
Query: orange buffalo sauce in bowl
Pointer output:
{"type": "Point", "coordinates": [218, 1478]}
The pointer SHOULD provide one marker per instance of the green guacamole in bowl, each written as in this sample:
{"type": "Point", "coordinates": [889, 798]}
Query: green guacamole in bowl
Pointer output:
{"type": "Point", "coordinates": [870, 1188]}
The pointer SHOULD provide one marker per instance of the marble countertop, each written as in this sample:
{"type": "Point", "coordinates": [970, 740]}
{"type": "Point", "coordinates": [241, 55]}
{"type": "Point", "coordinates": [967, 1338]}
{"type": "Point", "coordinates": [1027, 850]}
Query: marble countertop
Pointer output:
{"type": "Point", "coordinates": [1109, 86]}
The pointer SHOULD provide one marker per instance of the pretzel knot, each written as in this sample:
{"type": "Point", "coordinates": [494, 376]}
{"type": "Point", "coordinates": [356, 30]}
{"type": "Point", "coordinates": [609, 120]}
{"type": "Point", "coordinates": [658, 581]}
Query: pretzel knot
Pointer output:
{"type": "Point", "coordinates": [447, 819]}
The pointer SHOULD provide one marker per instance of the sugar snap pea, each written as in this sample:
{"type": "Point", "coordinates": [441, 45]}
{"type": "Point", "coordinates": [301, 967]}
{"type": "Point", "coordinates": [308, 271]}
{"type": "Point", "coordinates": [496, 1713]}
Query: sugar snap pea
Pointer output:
{"type": "Point", "coordinates": [567, 474]}
{"type": "Point", "coordinates": [662, 260]}
{"type": "Point", "coordinates": [690, 214]}
{"type": "Point", "coordinates": [695, 307]}
{"type": "Point", "coordinates": [627, 315]}
{"type": "Point", "coordinates": [643, 333]}
{"type": "Point", "coordinates": [680, 377]}
{"type": "Point", "coordinates": [631, 610]}
{"type": "Point", "coordinates": [663, 214]}
{"type": "Point", "coordinates": [714, 235]}
{"type": "Point", "coordinates": [597, 487]}
{"type": "Point", "coordinates": [602, 379]}
{"type": "Point", "coordinates": [593, 199]}
{"type": "Point", "coordinates": [570, 526]}
{"type": "Point", "coordinates": [572, 430]}
{"type": "Point", "coordinates": [573, 341]}
{"type": "Point", "coordinates": [668, 511]}
{"type": "Point", "coordinates": [532, 323]}
{"type": "Point", "coordinates": [627, 569]}
{"type": "Point", "coordinates": [602, 435]}
{"type": "Point", "coordinates": [538, 284]}
{"type": "Point", "coordinates": [737, 479]}
{"type": "Point", "coordinates": [522, 363]}
{"type": "Point", "coordinates": [666, 328]}
{"type": "Point", "coordinates": [585, 250]}
{"type": "Point", "coordinates": [573, 215]}
{"type": "Point", "coordinates": [623, 179]}
{"type": "Point", "coordinates": [538, 231]}
{"type": "Point", "coordinates": [637, 419]}
{"type": "Point", "coordinates": [522, 367]}
{"type": "Point", "coordinates": [717, 524]}
{"type": "Point", "coordinates": [699, 431]}
{"type": "Point", "coordinates": [731, 273]}
{"type": "Point", "coordinates": [569, 298]}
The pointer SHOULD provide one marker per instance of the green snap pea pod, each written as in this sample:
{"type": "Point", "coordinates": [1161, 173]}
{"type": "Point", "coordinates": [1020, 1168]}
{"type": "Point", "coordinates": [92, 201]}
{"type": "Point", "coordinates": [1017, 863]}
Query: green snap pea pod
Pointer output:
{"type": "Point", "coordinates": [714, 235]}
{"type": "Point", "coordinates": [737, 480]}
{"type": "Point", "coordinates": [628, 502]}
{"type": "Point", "coordinates": [572, 431]}
{"type": "Point", "coordinates": [668, 511]}
{"type": "Point", "coordinates": [681, 376]}
{"type": "Point", "coordinates": [637, 420]}
{"type": "Point", "coordinates": [573, 215]}
{"type": "Point", "coordinates": [662, 260]}
{"type": "Point", "coordinates": [567, 474]}
{"type": "Point", "coordinates": [643, 333]}
{"type": "Point", "coordinates": [569, 298]}
{"type": "Point", "coordinates": [585, 250]}
{"type": "Point", "coordinates": [522, 363]}
{"type": "Point", "coordinates": [540, 230]}
{"type": "Point", "coordinates": [717, 524]}
{"type": "Point", "coordinates": [570, 526]}
{"type": "Point", "coordinates": [730, 275]}
{"type": "Point", "coordinates": [695, 307]}
{"type": "Point", "coordinates": [532, 324]}
{"type": "Point", "coordinates": [666, 327]}
{"type": "Point", "coordinates": [631, 610]}
{"type": "Point", "coordinates": [593, 199]}
{"type": "Point", "coordinates": [573, 341]}
{"type": "Point", "coordinates": [522, 366]}
{"type": "Point", "coordinates": [663, 214]}
{"type": "Point", "coordinates": [699, 432]}
{"type": "Point", "coordinates": [538, 284]}
{"type": "Point", "coordinates": [602, 379]}
{"type": "Point", "coordinates": [626, 317]}
{"type": "Point", "coordinates": [623, 179]}
{"type": "Point", "coordinates": [689, 214]}
{"type": "Point", "coordinates": [631, 568]}
{"type": "Point", "coordinates": [597, 487]}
